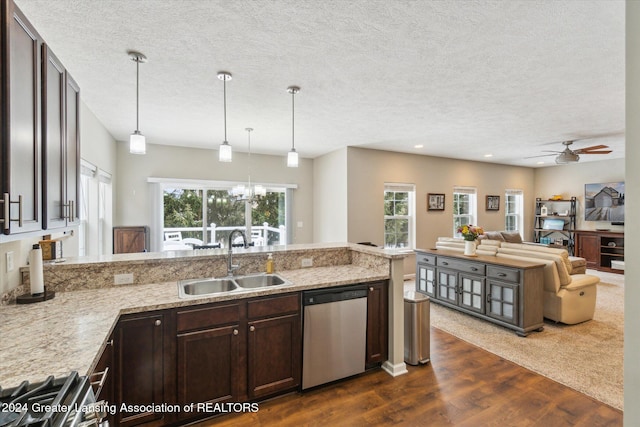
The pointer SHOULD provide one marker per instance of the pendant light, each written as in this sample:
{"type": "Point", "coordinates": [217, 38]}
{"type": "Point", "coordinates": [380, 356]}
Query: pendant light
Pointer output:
{"type": "Point", "coordinates": [137, 141]}
{"type": "Point", "coordinates": [292, 157]}
{"type": "Point", "coordinates": [225, 154]}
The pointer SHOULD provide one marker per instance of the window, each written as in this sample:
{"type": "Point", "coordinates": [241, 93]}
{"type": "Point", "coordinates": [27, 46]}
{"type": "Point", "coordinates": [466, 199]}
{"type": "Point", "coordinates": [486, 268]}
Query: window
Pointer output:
{"type": "Point", "coordinates": [94, 231]}
{"type": "Point", "coordinates": [399, 215]}
{"type": "Point", "coordinates": [206, 213]}
{"type": "Point", "coordinates": [514, 202]}
{"type": "Point", "coordinates": [464, 208]}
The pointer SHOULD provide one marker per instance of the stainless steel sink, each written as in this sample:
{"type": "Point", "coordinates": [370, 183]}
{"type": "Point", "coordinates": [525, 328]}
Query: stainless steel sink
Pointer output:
{"type": "Point", "coordinates": [201, 287]}
{"type": "Point", "coordinates": [260, 281]}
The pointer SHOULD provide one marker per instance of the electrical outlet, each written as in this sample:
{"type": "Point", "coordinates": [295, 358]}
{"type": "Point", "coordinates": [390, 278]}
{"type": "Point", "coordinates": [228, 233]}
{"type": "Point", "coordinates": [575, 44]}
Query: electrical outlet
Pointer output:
{"type": "Point", "coordinates": [307, 262]}
{"type": "Point", "coordinates": [123, 279]}
{"type": "Point", "coordinates": [9, 261]}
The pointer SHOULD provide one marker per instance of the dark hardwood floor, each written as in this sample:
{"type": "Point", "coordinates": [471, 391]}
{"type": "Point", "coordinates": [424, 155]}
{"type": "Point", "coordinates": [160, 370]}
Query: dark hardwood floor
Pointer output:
{"type": "Point", "coordinates": [463, 385]}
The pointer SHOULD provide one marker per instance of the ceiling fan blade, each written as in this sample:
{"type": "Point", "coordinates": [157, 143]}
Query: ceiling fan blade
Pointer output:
{"type": "Point", "coordinates": [542, 155]}
{"type": "Point", "coordinates": [593, 152]}
{"type": "Point", "coordinates": [593, 147]}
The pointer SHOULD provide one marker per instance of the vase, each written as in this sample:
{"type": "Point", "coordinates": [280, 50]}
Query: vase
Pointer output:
{"type": "Point", "coordinates": [469, 247]}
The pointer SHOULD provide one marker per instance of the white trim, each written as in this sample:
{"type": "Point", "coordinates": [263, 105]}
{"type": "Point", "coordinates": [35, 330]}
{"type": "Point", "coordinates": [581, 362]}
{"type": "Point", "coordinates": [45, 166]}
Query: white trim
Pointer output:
{"type": "Point", "coordinates": [199, 184]}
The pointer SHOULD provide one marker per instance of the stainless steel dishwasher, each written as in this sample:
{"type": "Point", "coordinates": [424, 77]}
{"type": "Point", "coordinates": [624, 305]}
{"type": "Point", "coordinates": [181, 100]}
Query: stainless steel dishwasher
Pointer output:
{"type": "Point", "coordinates": [335, 334]}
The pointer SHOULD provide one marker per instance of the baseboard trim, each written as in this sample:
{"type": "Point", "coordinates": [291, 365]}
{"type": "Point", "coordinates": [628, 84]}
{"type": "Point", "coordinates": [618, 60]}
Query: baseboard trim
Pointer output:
{"type": "Point", "coordinates": [395, 370]}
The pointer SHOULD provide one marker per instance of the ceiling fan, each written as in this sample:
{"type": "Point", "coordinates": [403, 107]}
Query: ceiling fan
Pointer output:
{"type": "Point", "coordinates": [572, 156]}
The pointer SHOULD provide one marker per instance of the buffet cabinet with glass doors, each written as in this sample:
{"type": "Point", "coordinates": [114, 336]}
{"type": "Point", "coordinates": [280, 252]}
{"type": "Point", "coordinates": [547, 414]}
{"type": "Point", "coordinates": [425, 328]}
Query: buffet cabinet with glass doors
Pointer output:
{"type": "Point", "coordinates": [501, 290]}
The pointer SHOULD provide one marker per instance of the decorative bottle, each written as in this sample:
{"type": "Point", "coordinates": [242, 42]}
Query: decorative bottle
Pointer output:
{"type": "Point", "coordinates": [270, 264]}
{"type": "Point", "coordinates": [543, 210]}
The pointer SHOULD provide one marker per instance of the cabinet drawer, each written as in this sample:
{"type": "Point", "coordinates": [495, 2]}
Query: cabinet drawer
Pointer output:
{"type": "Point", "coordinates": [207, 317]}
{"type": "Point", "coordinates": [503, 273]}
{"type": "Point", "coordinates": [273, 306]}
{"type": "Point", "coordinates": [426, 258]}
{"type": "Point", "coordinates": [463, 266]}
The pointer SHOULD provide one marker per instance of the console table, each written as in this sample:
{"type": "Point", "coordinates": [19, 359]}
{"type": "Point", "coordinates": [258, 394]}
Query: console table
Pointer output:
{"type": "Point", "coordinates": [503, 291]}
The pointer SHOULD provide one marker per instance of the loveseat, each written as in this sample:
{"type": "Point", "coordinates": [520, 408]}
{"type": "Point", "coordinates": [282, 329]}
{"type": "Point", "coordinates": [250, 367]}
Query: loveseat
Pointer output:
{"type": "Point", "coordinates": [569, 296]}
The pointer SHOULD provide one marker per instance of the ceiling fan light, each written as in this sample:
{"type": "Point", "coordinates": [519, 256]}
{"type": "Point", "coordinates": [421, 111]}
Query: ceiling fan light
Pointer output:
{"type": "Point", "coordinates": [564, 158]}
{"type": "Point", "coordinates": [225, 154]}
{"type": "Point", "coordinates": [292, 158]}
{"type": "Point", "coordinates": [137, 143]}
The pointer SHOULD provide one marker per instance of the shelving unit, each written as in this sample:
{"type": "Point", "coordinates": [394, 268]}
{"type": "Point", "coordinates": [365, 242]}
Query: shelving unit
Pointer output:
{"type": "Point", "coordinates": [557, 210]}
{"type": "Point", "coordinates": [600, 248]}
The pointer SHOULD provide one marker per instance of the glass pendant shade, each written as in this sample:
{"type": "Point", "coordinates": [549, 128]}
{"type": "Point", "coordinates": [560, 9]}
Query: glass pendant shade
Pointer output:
{"type": "Point", "coordinates": [137, 143]}
{"type": "Point", "coordinates": [225, 154]}
{"type": "Point", "coordinates": [292, 158]}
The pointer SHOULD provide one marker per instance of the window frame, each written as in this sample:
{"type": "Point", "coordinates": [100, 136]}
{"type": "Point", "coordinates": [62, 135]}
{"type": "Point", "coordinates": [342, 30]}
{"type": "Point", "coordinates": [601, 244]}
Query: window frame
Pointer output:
{"type": "Point", "coordinates": [472, 213]}
{"type": "Point", "coordinates": [410, 189]}
{"type": "Point", "coordinates": [519, 214]}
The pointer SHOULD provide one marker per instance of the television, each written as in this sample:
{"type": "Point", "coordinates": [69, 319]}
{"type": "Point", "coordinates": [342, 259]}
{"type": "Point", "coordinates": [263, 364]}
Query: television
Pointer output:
{"type": "Point", "coordinates": [604, 202]}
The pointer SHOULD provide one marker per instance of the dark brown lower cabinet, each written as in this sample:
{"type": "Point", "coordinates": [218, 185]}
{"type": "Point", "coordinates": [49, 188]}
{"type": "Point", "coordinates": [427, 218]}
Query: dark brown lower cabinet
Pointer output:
{"type": "Point", "coordinates": [377, 321]}
{"type": "Point", "coordinates": [209, 356]}
{"type": "Point", "coordinates": [274, 345]}
{"type": "Point", "coordinates": [140, 371]}
{"type": "Point", "coordinates": [105, 367]}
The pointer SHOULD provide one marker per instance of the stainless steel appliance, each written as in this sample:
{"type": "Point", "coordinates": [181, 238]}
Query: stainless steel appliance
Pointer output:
{"type": "Point", "coordinates": [417, 333]}
{"type": "Point", "coordinates": [55, 402]}
{"type": "Point", "coordinates": [335, 334]}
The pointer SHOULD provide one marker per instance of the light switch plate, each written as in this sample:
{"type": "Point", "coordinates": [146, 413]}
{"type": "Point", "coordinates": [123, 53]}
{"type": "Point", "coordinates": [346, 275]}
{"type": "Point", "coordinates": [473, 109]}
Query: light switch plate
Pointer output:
{"type": "Point", "coordinates": [307, 262]}
{"type": "Point", "coordinates": [123, 279]}
{"type": "Point", "coordinates": [10, 265]}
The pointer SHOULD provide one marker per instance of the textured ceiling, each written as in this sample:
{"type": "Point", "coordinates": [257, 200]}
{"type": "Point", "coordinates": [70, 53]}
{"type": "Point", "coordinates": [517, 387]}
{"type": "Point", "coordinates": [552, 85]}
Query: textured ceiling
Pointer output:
{"type": "Point", "coordinates": [462, 78]}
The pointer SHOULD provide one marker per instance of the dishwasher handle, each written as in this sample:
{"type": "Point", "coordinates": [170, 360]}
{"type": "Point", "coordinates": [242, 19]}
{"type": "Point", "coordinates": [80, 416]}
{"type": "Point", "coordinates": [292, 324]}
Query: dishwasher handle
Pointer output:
{"type": "Point", "coordinates": [328, 295]}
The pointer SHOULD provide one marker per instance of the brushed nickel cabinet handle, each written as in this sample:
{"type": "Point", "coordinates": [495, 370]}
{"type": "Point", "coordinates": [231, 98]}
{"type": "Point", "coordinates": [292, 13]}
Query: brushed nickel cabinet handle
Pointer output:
{"type": "Point", "coordinates": [371, 289]}
{"type": "Point", "coordinates": [252, 328]}
{"type": "Point", "coordinates": [158, 322]}
{"type": "Point", "coordinates": [235, 332]}
{"type": "Point", "coordinates": [7, 212]}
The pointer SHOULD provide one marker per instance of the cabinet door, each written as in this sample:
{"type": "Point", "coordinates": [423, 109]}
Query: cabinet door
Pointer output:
{"type": "Point", "coordinates": [129, 240]}
{"type": "Point", "coordinates": [377, 317]}
{"type": "Point", "coordinates": [426, 282]}
{"type": "Point", "coordinates": [502, 301]}
{"type": "Point", "coordinates": [589, 249]}
{"type": "Point", "coordinates": [21, 127]}
{"type": "Point", "coordinates": [53, 141]}
{"type": "Point", "coordinates": [274, 355]}
{"type": "Point", "coordinates": [139, 367]}
{"type": "Point", "coordinates": [447, 286]}
{"type": "Point", "coordinates": [472, 292]}
{"type": "Point", "coordinates": [72, 149]}
{"type": "Point", "coordinates": [208, 364]}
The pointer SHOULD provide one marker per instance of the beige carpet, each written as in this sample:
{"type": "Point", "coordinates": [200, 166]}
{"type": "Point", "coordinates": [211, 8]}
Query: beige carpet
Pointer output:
{"type": "Point", "coordinates": [587, 357]}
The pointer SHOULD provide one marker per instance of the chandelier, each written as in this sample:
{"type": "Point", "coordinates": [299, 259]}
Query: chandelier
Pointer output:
{"type": "Point", "coordinates": [248, 192]}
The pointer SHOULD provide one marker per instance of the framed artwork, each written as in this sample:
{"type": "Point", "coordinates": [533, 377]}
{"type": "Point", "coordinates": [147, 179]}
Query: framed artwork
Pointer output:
{"type": "Point", "coordinates": [435, 202]}
{"type": "Point", "coordinates": [493, 203]}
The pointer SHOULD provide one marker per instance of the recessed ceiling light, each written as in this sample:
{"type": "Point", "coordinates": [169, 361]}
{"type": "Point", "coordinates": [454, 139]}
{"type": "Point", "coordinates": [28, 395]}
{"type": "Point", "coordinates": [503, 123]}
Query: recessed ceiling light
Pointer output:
{"type": "Point", "coordinates": [418, 146]}
{"type": "Point", "coordinates": [540, 163]}
{"type": "Point", "coordinates": [488, 155]}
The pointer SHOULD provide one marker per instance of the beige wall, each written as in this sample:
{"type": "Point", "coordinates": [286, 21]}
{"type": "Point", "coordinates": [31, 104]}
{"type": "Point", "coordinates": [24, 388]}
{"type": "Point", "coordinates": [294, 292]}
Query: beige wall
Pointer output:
{"type": "Point", "coordinates": [569, 180]}
{"type": "Point", "coordinates": [632, 210]}
{"type": "Point", "coordinates": [133, 194]}
{"type": "Point", "coordinates": [330, 197]}
{"type": "Point", "coordinates": [369, 170]}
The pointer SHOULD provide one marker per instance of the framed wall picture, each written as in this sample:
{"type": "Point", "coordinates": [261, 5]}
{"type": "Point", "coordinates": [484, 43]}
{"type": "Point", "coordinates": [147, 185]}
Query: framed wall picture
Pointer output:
{"type": "Point", "coordinates": [435, 202]}
{"type": "Point", "coordinates": [493, 203]}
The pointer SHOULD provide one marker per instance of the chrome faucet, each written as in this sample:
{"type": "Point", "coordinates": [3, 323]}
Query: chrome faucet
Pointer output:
{"type": "Point", "coordinates": [230, 266]}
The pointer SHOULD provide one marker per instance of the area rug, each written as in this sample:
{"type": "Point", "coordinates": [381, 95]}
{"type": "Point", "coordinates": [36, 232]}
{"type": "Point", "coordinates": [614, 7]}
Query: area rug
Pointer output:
{"type": "Point", "coordinates": [587, 357]}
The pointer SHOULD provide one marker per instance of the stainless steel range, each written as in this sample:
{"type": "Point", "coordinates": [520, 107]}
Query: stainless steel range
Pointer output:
{"type": "Point", "coordinates": [54, 402]}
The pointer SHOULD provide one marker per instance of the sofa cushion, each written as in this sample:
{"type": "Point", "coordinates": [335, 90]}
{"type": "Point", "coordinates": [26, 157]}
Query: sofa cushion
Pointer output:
{"type": "Point", "coordinates": [492, 235]}
{"type": "Point", "coordinates": [550, 280]}
{"type": "Point", "coordinates": [543, 249]}
{"type": "Point", "coordinates": [511, 236]}
{"type": "Point", "coordinates": [563, 274]}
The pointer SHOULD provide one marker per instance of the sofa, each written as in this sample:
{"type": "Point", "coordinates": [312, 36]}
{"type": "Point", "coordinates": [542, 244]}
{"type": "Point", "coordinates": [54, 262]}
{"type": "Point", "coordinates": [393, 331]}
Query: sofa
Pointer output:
{"type": "Point", "coordinates": [569, 293]}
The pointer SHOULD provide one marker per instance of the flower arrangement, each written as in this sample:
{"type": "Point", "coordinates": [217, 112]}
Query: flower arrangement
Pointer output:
{"type": "Point", "coordinates": [470, 232]}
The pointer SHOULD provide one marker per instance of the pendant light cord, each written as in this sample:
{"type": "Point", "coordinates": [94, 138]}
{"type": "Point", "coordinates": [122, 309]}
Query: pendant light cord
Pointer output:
{"type": "Point", "coordinates": [293, 119]}
{"type": "Point", "coordinates": [138, 94]}
{"type": "Point", "coordinates": [224, 83]}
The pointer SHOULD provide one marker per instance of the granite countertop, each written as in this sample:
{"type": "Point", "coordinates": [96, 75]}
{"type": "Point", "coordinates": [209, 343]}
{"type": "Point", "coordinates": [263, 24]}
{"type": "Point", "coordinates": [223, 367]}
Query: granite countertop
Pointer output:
{"type": "Point", "coordinates": [68, 332]}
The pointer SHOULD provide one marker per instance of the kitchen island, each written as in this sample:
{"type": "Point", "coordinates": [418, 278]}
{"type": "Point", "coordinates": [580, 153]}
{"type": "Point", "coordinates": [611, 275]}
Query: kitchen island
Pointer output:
{"type": "Point", "coordinates": [69, 332]}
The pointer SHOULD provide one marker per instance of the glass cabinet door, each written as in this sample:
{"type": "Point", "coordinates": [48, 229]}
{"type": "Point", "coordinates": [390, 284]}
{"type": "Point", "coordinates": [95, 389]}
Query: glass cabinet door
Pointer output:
{"type": "Point", "coordinates": [426, 282]}
{"type": "Point", "coordinates": [447, 286]}
{"type": "Point", "coordinates": [472, 292]}
{"type": "Point", "coordinates": [502, 301]}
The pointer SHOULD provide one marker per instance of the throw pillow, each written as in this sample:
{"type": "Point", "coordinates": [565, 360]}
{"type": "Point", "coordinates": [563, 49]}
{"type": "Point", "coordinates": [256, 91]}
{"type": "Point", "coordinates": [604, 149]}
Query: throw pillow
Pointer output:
{"type": "Point", "coordinates": [511, 236]}
{"type": "Point", "coordinates": [494, 235]}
